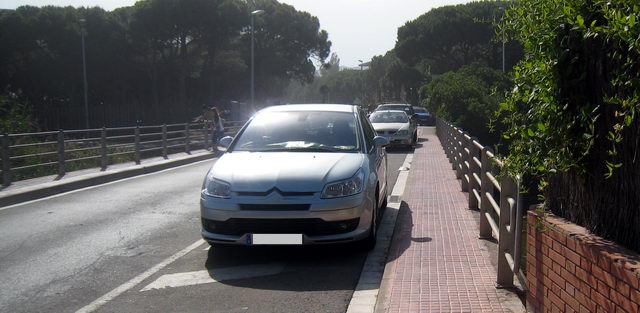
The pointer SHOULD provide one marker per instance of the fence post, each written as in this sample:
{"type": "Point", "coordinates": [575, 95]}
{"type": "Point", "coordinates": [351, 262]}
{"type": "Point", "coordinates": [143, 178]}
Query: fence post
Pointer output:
{"type": "Point", "coordinates": [465, 165]}
{"type": "Point", "coordinates": [486, 187]}
{"type": "Point", "coordinates": [164, 141]}
{"type": "Point", "coordinates": [458, 154]}
{"type": "Point", "coordinates": [187, 139]}
{"type": "Point", "coordinates": [103, 144]}
{"type": "Point", "coordinates": [474, 174]}
{"type": "Point", "coordinates": [61, 156]}
{"type": "Point", "coordinates": [207, 143]}
{"type": "Point", "coordinates": [137, 144]}
{"type": "Point", "coordinates": [508, 206]}
{"type": "Point", "coordinates": [6, 160]}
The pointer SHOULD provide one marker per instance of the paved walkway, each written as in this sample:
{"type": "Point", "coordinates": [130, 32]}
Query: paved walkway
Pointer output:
{"type": "Point", "coordinates": [436, 261]}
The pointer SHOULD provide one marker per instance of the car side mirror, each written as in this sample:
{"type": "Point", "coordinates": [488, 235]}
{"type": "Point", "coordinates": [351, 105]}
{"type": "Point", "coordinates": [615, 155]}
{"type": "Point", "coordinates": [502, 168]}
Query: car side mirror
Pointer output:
{"type": "Point", "coordinates": [224, 143]}
{"type": "Point", "coordinates": [380, 141]}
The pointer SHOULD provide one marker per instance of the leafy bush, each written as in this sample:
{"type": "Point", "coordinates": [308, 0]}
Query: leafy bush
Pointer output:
{"type": "Point", "coordinates": [571, 117]}
{"type": "Point", "coordinates": [468, 98]}
{"type": "Point", "coordinates": [15, 116]}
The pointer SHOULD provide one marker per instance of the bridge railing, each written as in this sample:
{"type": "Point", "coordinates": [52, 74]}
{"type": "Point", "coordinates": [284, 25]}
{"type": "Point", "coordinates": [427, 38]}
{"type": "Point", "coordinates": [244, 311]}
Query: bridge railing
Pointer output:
{"type": "Point", "coordinates": [494, 193]}
{"type": "Point", "coordinates": [30, 155]}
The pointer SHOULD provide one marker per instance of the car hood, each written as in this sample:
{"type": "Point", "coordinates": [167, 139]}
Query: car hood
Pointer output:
{"type": "Point", "coordinates": [390, 126]}
{"type": "Point", "coordinates": [286, 171]}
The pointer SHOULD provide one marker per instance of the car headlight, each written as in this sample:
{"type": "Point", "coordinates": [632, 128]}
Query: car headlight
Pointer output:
{"type": "Point", "coordinates": [403, 132]}
{"type": "Point", "coordinates": [344, 188]}
{"type": "Point", "coordinates": [216, 188]}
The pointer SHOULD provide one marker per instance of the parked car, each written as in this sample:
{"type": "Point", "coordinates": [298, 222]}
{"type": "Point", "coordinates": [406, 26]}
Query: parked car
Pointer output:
{"type": "Point", "coordinates": [297, 174]}
{"type": "Point", "coordinates": [423, 117]}
{"type": "Point", "coordinates": [407, 108]}
{"type": "Point", "coordinates": [396, 126]}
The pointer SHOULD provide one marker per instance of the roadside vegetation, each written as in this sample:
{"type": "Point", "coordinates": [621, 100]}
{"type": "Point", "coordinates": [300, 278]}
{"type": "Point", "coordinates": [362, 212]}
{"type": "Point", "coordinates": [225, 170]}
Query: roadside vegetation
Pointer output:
{"type": "Point", "coordinates": [572, 115]}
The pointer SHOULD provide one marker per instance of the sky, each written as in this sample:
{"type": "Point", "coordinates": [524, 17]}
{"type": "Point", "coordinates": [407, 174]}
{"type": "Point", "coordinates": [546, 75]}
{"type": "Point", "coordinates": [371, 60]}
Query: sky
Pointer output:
{"type": "Point", "coordinates": [358, 29]}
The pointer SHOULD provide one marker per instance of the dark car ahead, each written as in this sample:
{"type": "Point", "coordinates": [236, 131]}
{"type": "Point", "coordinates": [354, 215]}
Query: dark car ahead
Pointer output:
{"type": "Point", "coordinates": [423, 117]}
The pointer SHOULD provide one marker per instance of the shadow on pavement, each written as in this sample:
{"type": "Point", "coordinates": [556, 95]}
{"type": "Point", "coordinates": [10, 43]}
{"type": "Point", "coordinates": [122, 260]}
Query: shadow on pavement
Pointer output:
{"type": "Point", "coordinates": [402, 237]}
{"type": "Point", "coordinates": [306, 268]}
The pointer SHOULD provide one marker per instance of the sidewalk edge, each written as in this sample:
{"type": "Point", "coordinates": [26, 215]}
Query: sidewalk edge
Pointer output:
{"type": "Point", "coordinates": [367, 291]}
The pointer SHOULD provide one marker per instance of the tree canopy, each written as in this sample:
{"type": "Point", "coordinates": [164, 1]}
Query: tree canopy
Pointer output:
{"type": "Point", "coordinates": [157, 61]}
{"type": "Point", "coordinates": [447, 38]}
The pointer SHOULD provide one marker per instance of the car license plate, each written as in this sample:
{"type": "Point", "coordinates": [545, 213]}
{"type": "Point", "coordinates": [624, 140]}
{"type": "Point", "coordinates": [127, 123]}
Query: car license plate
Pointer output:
{"type": "Point", "coordinates": [274, 239]}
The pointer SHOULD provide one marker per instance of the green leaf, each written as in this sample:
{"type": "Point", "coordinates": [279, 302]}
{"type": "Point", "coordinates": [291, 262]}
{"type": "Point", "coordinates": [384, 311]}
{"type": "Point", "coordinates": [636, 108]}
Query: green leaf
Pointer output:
{"type": "Point", "coordinates": [580, 20]}
{"type": "Point", "coordinates": [541, 127]}
{"type": "Point", "coordinates": [530, 132]}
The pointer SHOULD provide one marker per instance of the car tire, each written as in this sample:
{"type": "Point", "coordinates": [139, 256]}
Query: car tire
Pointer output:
{"type": "Point", "coordinates": [369, 242]}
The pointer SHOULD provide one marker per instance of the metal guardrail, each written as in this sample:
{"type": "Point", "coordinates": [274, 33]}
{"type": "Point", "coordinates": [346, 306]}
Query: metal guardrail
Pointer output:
{"type": "Point", "coordinates": [35, 151]}
{"type": "Point", "coordinates": [497, 197]}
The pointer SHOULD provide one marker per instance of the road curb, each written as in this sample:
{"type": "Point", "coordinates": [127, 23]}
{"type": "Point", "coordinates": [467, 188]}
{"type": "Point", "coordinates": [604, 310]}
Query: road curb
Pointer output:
{"type": "Point", "coordinates": [44, 190]}
{"type": "Point", "coordinates": [367, 290]}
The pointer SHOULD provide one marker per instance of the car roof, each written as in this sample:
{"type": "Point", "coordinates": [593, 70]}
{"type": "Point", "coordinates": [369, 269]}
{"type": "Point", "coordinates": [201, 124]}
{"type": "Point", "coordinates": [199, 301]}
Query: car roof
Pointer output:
{"type": "Point", "coordinates": [390, 111]}
{"type": "Point", "coordinates": [406, 104]}
{"type": "Point", "coordinates": [311, 107]}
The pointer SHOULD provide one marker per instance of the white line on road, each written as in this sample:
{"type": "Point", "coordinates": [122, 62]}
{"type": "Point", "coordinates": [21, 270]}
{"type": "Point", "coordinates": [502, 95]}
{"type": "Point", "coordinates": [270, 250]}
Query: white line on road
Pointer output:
{"type": "Point", "coordinates": [101, 185]}
{"type": "Point", "coordinates": [138, 279]}
{"type": "Point", "coordinates": [214, 275]}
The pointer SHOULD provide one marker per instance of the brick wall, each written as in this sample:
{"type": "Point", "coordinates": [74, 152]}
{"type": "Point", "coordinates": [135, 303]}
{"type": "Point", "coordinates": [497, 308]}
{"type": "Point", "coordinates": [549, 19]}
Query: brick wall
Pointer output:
{"type": "Point", "coordinates": [569, 269]}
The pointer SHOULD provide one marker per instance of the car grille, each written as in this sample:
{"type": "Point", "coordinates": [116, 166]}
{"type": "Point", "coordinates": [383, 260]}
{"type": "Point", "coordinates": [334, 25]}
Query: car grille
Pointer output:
{"type": "Point", "coordinates": [266, 193]}
{"type": "Point", "coordinates": [387, 132]}
{"type": "Point", "coordinates": [307, 226]}
{"type": "Point", "coordinates": [274, 207]}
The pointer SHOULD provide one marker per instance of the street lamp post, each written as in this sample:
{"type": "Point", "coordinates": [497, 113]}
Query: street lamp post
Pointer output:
{"type": "Point", "coordinates": [364, 82]}
{"type": "Point", "coordinates": [84, 74]}
{"type": "Point", "coordinates": [503, 13]}
{"type": "Point", "coordinates": [253, 91]}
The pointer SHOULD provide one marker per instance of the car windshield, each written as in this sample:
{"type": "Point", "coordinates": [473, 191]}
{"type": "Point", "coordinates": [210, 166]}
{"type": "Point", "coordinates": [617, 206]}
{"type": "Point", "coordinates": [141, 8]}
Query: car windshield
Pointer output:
{"type": "Point", "coordinates": [404, 108]}
{"type": "Point", "coordinates": [306, 131]}
{"type": "Point", "coordinates": [420, 110]}
{"type": "Point", "coordinates": [389, 117]}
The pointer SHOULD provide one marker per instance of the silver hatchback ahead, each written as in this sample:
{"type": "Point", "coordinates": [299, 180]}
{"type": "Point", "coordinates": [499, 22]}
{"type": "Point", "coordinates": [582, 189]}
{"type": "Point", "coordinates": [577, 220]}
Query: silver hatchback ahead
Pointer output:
{"type": "Point", "coordinates": [297, 174]}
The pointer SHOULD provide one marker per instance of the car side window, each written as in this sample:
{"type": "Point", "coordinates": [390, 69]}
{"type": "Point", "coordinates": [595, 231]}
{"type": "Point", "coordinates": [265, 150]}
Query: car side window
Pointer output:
{"type": "Point", "coordinates": [369, 133]}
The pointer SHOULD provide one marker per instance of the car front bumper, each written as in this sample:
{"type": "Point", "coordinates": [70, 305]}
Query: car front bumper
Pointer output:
{"type": "Point", "coordinates": [325, 221]}
{"type": "Point", "coordinates": [399, 140]}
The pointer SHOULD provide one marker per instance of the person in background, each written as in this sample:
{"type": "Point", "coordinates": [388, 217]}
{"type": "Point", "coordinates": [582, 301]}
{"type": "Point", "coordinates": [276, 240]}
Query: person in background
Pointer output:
{"type": "Point", "coordinates": [216, 125]}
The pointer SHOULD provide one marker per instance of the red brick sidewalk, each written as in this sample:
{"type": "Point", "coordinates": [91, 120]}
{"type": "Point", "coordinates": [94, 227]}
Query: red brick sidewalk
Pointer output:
{"type": "Point", "coordinates": [436, 261]}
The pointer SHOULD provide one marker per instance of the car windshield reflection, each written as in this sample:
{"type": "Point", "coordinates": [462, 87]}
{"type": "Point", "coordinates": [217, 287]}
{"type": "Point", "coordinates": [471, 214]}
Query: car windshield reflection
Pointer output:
{"type": "Point", "coordinates": [300, 131]}
{"type": "Point", "coordinates": [389, 117]}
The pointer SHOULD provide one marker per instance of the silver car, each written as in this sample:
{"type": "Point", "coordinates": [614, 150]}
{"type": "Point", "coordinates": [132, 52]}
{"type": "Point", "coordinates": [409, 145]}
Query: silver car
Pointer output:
{"type": "Point", "coordinates": [396, 126]}
{"type": "Point", "coordinates": [297, 174]}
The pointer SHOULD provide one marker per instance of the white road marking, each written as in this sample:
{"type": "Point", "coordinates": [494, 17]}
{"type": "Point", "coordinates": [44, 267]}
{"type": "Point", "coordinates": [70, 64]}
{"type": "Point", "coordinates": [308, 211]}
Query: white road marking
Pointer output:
{"type": "Point", "coordinates": [214, 275]}
{"type": "Point", "coordinates": [138, 279]}
{"type": "Point", "coordinates": [101, 185]}
{"type": "Point", "coordinates": [366, 293]}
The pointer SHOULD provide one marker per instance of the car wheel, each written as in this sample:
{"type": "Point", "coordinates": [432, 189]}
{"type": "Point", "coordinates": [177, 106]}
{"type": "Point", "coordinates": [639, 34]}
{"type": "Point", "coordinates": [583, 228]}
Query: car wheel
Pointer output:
{"type": "Point", "coordinates": [384, 203]}
{"type": "Point", "coordinates": [370, 242]}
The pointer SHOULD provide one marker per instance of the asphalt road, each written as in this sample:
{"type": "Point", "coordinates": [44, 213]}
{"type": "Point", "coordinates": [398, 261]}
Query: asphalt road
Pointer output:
{"type": "Point", "coordinates": [62, 254]}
